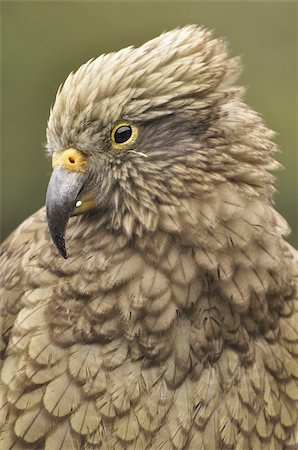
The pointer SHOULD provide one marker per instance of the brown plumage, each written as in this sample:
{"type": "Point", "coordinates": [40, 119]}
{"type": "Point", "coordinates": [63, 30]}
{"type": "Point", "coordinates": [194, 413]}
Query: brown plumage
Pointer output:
{"type": "Point", "coordinates": [173, 322]}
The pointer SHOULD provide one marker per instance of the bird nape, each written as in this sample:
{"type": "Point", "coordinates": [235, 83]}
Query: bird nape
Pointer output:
{"type": "Point", "coordinates": [171, 322]}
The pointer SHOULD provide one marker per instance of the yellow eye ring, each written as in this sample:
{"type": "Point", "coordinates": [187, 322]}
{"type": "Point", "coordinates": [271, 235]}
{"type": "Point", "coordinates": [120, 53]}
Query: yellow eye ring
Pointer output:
{"type": "Point", "coordinates": [124, 135]}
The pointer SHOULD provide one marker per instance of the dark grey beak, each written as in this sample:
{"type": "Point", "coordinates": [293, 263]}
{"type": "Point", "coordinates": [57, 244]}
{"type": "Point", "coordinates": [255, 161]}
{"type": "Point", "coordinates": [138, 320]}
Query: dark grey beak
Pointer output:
{"type": "Point", "coordinates": [62, 194]}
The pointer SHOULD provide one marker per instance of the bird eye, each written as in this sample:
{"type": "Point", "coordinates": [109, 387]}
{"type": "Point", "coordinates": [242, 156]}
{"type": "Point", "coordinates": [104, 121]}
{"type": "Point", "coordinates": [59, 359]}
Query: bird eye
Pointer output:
{"type": "Point", "coordinates": [123, 135]}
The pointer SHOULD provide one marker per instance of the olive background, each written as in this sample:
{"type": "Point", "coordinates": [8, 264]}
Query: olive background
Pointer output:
{"type": "Point", "coordinates": [42, 41]}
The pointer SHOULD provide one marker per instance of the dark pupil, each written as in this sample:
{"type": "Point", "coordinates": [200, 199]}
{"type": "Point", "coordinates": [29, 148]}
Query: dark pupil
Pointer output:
{"type": "Point", "coordinates": [122, 134]}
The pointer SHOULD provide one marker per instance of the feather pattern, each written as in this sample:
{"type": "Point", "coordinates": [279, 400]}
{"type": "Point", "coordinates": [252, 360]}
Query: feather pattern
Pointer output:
{"type": "Point", "coordinates": [173, 324]}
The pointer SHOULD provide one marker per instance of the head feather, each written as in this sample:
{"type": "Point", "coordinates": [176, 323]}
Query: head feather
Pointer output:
{"type": "Point", "coordinates": [184, 68]}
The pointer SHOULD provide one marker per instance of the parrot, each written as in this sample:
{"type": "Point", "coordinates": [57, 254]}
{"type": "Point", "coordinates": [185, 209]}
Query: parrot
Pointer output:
{"type": "Point", "coordinates": [152, 303]}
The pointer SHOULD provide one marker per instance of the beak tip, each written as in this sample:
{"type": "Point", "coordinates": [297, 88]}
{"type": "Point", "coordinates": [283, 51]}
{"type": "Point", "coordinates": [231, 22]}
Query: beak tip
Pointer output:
{"type": "Point", "coordinates": [64, 254]}
{"type": "Point", "coordinates": [60, 244]}
{"type": "Point", "coordinates": [59, 241]}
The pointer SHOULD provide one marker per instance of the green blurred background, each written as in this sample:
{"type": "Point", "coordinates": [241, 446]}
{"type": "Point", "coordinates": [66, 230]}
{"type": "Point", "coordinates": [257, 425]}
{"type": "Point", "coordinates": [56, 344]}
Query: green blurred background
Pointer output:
{"type": "Point", "coordinates": [43, 41]}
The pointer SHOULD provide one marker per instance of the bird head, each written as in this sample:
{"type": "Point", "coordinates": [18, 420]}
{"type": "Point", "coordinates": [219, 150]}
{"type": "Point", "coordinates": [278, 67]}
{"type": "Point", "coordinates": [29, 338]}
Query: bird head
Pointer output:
{"type": "Point", "coordinates": [142, 129]}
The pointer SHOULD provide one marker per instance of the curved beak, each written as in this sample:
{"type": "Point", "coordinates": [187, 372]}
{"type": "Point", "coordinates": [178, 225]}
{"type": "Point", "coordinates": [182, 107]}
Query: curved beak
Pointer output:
{"type": "Point", "coordinates": [63, 197]}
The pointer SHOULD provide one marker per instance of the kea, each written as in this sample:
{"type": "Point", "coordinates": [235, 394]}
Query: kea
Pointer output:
{"type": "Point", "coordinates": [152, 304]}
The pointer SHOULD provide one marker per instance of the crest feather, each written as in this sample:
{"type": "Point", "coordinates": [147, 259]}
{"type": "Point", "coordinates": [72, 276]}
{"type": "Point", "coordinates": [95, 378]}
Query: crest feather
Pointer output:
{"type": "Point", "coordinates": [177, 69]}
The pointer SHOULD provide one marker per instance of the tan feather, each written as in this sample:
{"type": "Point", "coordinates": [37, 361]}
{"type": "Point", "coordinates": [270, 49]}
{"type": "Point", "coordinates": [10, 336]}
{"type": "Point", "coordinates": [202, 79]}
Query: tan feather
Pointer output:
{"type": "Point", "coordinates": [206, 259]}
{"type": "Point", "coordinates": [182, 400]}
{"type": "Point", "coordinates": [62, 396]}
{"type": "Point", "coordinates": [153, 407]}
{"type": "Point", "coordinates": [233, 404]}
{"type": "Point", "coordinates": [43, 350]}
{"type": "Point", "coordinates": [291, 389]}
{"type": "Point", "coordinates": [292, 440]}
{"type": "Point", "coordinates": [96, 385]}
{"type": "Point", "coordinates": [288, 328]}
{"type": "Point", "coordinates": [140, 443]}
{"type": "Point", "coordinates": [122, 272]}
{"type": "Point", "coordinates": [96, 437]}
{"type": "Point", "coordinates": [255, 442]}
{"type": "Point", "coordinates": [86, 418]}
{"type": "Point", "coordinates": [178, 437]}
{"type": "Point", "coordinates": [108, 329]}
{"type": "Point", "coordinates": [133, 295]}
{"type": "Point", "coordinates": [196, 441]}
{"type": "Point", "coordinates": [162, 440]}
{"type": "Point", "coordinates": [225, 266]}
{"type": "Point", "coordinates": [37, 295]}
{"type": "Point", "coordinates": [271, 399]}
{"type": "Point", "coordinates": [156, 346]}
{"type": "Point", "coordinates": [185, 269]}
{"type": "Point", "coordinates": [163, 321]}
{"type": "Point", "coordinates": [102, 305]}
{"type": "Point", "coordinates": [8, 439]}
{"type": "Point", "coordinates": [178, 364]}
{"type": "Point", "coordinates": [203, 413]}
{"type": "Point", "coordinates": [9, 369]}
{"type": "Point", "coordinates": [114, 354]}
{"type": "Point", "coordinates": [264, 427]}
{"type": "Point", "coordinates": [256, 374]}
{"type": "Point", "coordinates": [31, 318]}
{"type": "Point", "coordinates": [210, 432]}
{"type": "Point", "coordinates": [62, 437]}
{"type": "Point", "coordinates": [186, 296]}
{"type": "Point", "coordinates": [145, 421]}
{"type": "Point", "coordinates": [127, 428]}
{"type": "Point", "coordinates": [44, 277]}
{"type": "Point", "coordinates": [273, 359]}
{"type": "Point", "coordinates": [238, 291]}
{"type": "Point", "coordinates": [168, 222]}
{"type": "Point", "coordinates": [121, 400]}
{"type": "Point", "coordinates": [84, 361]}
{"type": "Point", "coordinates": [19, 341]}
{"type": "Point", "coordinates": [288, 412]}
{"type": "Point", "coordinates": [248, 420]}
{"type": "Point", "coordinates": [154, 282]}
{"type": "Point", "coordinates": [3, 407]}
{"type": "Point", "coordinates": [170, 259]}
{"type": "Point", "coordinates": [242, 442]}
{"type": "Point", "coordinates": [27, 399]}
{"type": "Point", "coordinates": [227, 428]}
{"type": "Point", "coordinates": [280, 432]}
{"type": "Point", "coordinates": [246, 391]}
{"type": "Point", "coordinates": [104, 404]}
{"type": "Point", "coordinates": [33, 424]}
{"type": "Point", "coordinates": [208, 387]}
{"type": "Point", "coordinates": [157, 305]}
{"type": "Point", "coordinates": [43, 374]}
